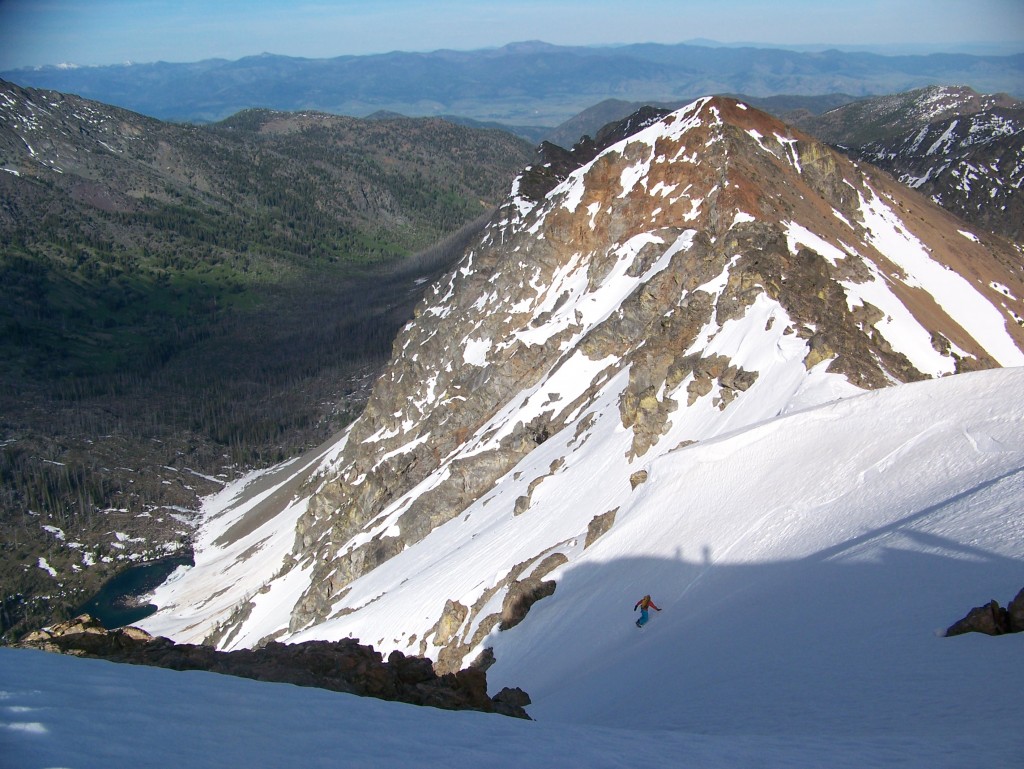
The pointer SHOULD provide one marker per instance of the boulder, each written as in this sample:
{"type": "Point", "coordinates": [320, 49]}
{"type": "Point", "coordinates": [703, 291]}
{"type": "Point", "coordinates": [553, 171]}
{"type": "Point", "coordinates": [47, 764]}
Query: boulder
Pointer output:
{"type": "Point", "coordinates": [1015, 612]}
{"type": "Point", "coordinates": [520, 597]}
{"type": "Point", "coordinates": [600, 524]}
{"type": "Point", "coordinates": [511, 702]}
{"type": "Point", "coordinates": [990, 619]}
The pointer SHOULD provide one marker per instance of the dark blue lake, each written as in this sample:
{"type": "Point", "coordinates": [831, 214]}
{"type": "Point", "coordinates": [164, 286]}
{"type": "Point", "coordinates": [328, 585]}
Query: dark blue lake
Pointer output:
{"type": "Point", "coordinates": [118, 602]}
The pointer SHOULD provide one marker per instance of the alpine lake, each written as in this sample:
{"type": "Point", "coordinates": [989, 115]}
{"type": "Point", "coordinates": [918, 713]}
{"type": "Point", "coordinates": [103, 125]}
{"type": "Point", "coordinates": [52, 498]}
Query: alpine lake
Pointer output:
{"type": "Point", "coordinates": [121, 599]}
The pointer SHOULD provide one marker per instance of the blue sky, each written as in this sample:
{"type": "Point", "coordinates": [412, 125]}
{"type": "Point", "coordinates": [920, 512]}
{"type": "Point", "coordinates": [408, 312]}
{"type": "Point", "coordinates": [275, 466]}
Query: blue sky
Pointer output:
{"type": "Point", "coordinates": [36, 32]}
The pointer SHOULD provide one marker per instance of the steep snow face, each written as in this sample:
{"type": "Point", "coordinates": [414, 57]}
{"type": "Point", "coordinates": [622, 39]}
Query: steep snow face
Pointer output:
{"type": "Point", "coordinates": [711, 274]}
{"type": "Point", "coordinates": [805, 568]}
{"type": "Point", "coordinates": [824, 547]}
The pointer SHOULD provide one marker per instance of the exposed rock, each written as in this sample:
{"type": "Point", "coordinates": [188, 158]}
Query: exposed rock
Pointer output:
{"type": "Point", "coordinates": [522, 504]}
{"type": "Point", "coordinates": [548, 565]}
{"type": "Point", "coordinates": [1015, 612]}
{"type": "Point", "coordinates": [520, 597]}
{"type": "Point", "coordinates": [342, 666]}
{"type": "Point", "coordinates": [992, 619]}
{"type": "Point", "coordinates": [484, 659]}
{"type": "Point", "coordinates": [600, 524]}
{"type": "Point", "coordinates": [513, 699]}
{"type": "Point", "coordinates": [452, 617]}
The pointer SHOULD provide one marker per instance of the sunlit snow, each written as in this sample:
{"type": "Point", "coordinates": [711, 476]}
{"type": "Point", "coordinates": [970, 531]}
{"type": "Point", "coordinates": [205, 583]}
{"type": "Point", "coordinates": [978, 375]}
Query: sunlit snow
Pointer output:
{"type": "Point", "coordinates": [805, 567]}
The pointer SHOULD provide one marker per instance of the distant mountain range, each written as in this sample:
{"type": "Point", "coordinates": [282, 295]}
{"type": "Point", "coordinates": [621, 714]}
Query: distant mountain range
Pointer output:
{"type": "Point", "coordinates": [526, 84]}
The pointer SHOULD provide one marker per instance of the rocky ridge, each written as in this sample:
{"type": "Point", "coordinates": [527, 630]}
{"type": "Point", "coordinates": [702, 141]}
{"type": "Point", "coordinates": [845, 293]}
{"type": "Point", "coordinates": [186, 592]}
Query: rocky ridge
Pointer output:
{"type": "Point", "coordinates": [971, 165]}
{"type": "Point", "coordinates": [648, 292]}
{"type": "Point", "coordinates": [346, 666]}
{"type": "Point", "coordinates": [880, 118]}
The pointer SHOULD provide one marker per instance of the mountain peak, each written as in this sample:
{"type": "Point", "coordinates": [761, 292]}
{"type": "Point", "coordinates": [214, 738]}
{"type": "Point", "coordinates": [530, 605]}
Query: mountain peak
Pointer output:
{"type": "Point", "coordinates": [704, 271]}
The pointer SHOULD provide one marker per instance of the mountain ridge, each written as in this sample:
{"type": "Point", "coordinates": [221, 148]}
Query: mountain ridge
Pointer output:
{"type": "Point", "coordinates": [518, 83]}
{"type": "Point", "coordinates": [669, 290]}
{"type": "Point", "coordinates": [963, 149]}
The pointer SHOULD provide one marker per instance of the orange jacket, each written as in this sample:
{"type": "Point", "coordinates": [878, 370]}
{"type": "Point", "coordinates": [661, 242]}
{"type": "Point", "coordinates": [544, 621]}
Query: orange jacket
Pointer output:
{"type": "Point", "coordinates": [646, 603]}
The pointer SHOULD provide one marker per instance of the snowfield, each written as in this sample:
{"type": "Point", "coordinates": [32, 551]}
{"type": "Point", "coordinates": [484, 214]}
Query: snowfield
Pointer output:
{"type": "Point", "coordinates": [806, 565]}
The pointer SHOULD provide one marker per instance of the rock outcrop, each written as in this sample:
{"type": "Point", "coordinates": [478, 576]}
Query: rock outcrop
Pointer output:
{"type": "Point", "coordinates": [341, 666]}
{"type": "Point", "coordinates": [992, 619]}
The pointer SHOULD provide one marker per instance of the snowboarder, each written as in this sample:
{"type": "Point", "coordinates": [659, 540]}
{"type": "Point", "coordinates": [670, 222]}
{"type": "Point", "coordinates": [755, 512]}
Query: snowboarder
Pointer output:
{"type": "Point", "coordinates": [643, 605]}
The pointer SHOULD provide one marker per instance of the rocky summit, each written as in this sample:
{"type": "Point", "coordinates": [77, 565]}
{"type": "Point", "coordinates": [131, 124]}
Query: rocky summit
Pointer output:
{"type": "Point", "coordinates": [710, 270]}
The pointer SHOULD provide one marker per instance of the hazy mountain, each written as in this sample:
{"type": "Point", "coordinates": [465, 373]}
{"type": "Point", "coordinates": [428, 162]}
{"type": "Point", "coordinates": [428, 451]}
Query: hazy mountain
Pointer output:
{"type": "Point", "coordinates": [711, 271]}
{"type": "Point", "coordinates": [786, 108]}
{"type": "Point", "coordinates": [520, 84]}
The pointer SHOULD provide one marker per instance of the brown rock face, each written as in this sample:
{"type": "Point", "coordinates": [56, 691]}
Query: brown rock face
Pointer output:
{"type": "Point", "coordinates": [342, 666]}
{"type": "Point", "coordinates": [992, 619]}
{"type": "Point", "coordinates": [520, 597]}
{"type": "Point", "coordinates": [1015, 612]}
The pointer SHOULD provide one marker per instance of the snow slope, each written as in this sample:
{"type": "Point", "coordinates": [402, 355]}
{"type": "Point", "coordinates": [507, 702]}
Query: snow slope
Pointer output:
{"type": "Point", "coordinates": [804, 566]}
{"type": "Point", "coordinates": [592, 335]}
{"type": "Point", "coordinates": [805, 538]}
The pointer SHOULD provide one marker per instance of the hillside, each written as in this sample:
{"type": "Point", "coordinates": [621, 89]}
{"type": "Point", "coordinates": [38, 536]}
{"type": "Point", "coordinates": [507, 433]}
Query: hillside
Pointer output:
{"type": "Point", "coordinates": [181, 304]}
{"type": "Point", "coordinates": [962, 149]}
{"type": "Point", "coordinates": [805, 569]}
{"type": "Point", "coordinates": [705, 357]}
{"type": "Point", "coordinates": [804, 578]}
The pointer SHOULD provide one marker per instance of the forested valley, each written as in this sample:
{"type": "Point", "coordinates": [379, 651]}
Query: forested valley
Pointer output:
{"type": "Point", "coordinates": [181, 304]}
